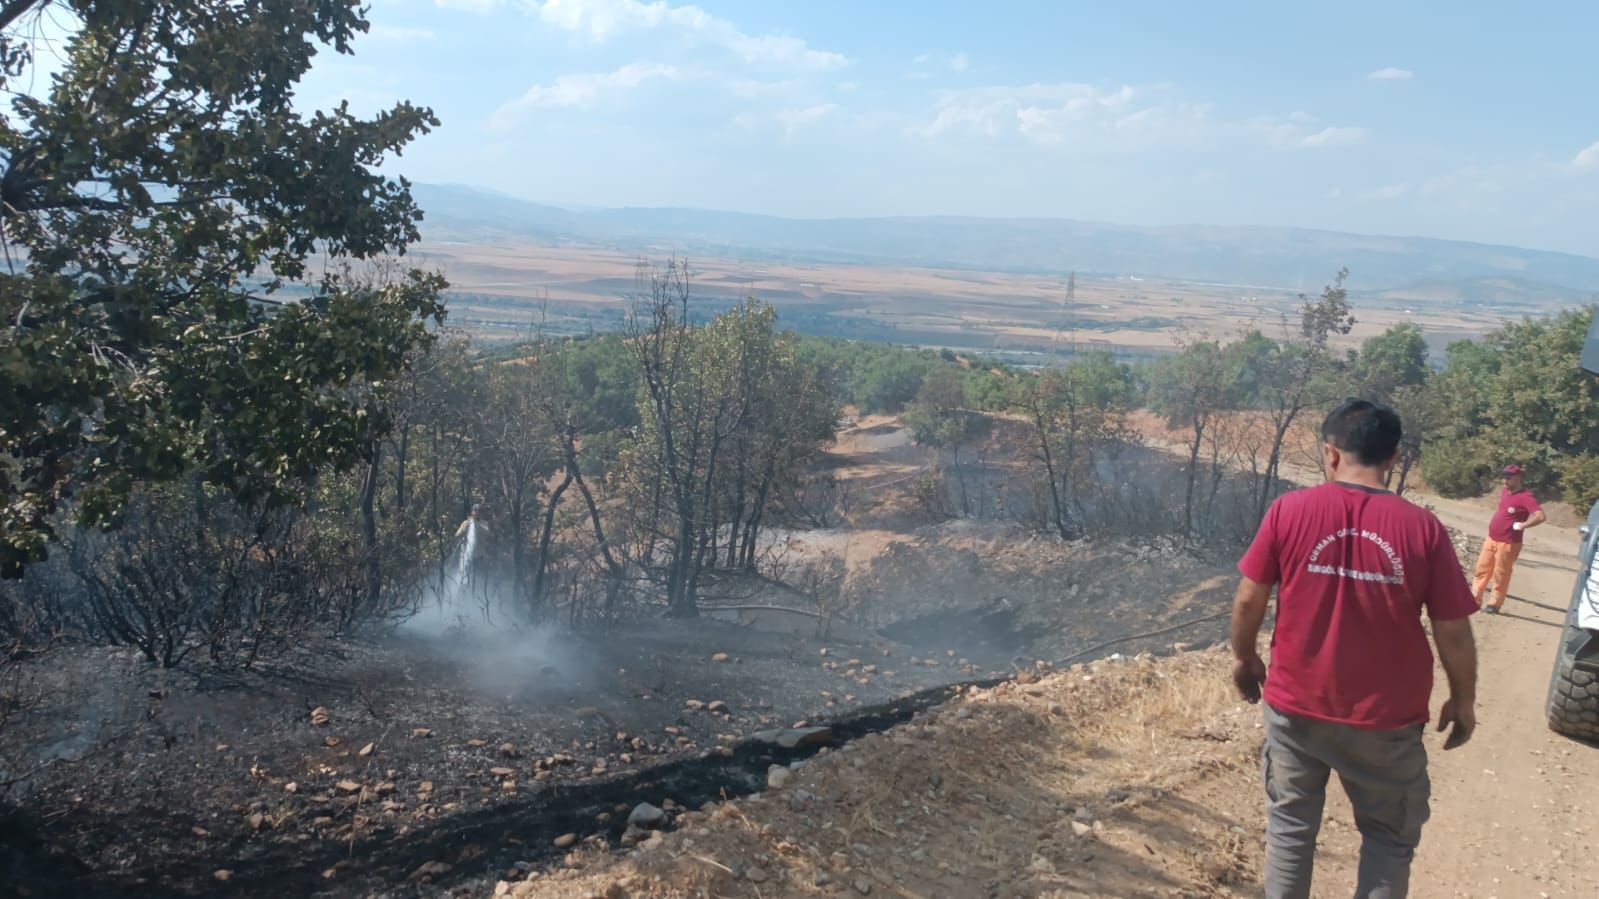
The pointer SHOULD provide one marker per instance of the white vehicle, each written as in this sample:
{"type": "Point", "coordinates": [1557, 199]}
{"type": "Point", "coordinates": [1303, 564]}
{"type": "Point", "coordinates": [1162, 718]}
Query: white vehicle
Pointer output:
{"type": "Point", "coordinates": [1574, 686]}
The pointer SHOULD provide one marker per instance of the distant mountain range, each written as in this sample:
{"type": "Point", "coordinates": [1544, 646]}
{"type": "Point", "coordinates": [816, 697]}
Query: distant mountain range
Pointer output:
{"type": "Point", "coordinates": [1297, 258]}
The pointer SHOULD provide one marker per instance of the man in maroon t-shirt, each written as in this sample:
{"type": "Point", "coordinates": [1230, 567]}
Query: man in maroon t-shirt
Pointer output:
{"type": "Point", "coordinates": [1517, 511]}
{"type": "Point", "coordinates": [1351, 673]}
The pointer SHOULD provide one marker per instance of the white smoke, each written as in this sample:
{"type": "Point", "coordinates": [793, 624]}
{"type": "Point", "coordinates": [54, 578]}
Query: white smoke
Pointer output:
{"type": "Point", "coordinates": [470, 613]}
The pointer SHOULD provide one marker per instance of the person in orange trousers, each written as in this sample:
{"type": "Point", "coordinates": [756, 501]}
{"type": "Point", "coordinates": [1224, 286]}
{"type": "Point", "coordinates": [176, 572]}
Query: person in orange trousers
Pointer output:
{"type": "Point", "coordinates": [1518, 510]}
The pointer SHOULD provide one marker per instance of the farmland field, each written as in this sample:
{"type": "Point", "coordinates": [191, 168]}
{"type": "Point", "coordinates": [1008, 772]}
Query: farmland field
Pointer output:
{"type": "Point", "coordinates": [502, 289]}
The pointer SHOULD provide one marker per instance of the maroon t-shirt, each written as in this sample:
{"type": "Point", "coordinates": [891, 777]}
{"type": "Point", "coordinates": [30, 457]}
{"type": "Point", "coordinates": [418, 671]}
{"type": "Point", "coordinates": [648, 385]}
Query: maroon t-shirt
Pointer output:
{"type": "Point", "coordinates": [1355, 568]}
{"type": "Point", "coordinates": [1499, 526]}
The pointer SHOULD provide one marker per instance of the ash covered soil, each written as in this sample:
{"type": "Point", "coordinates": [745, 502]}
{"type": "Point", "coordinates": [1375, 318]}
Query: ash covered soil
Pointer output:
{"type": "Point", "coordinates": [421, 765]}
{"type": "Point", "coordinates": [1120, 778]}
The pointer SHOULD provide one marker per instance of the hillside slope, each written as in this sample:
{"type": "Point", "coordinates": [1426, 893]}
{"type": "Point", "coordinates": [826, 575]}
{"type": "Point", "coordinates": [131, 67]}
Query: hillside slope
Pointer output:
{"type": "Point", "coordinates": [1129, 778]}
{"type": "Point", "coordinates": [1119, 778]}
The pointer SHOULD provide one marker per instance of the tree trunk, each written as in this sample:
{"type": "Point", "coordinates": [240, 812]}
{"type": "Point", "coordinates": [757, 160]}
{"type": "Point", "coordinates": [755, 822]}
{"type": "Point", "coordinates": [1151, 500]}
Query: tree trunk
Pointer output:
{"type": "Point", "coordinates": [1218, 473]}
{"type": "Point", "coordinates": [1042, 431]}
{"type": "Point", "coordinates": [708, 516]}
{"type": "Point", "coordinates": [1407, 461]}
{"type": "Point", "coordinates": [515, 535]}
{"type": "Point", "coordinates": [369, 528]}
{"type": "Point", "coordinates": [679, 601]}
{"type": "Point", "coordinates": [960, 478]}
{"type": "Point", "coordinates": [752, 531]}
{"type": "Point", "coordinates": [1268, 486]}
{"type": "Point", "coordinates": [736, 517]}
{"type": "Point", "coordinates": [434, 516]}
{"type": "Point", "coordinates": [576, 473]}
{"type": "Point", "coordinates": [546, 537]}
{"type": "Point", "coordinates": [402, 455]}
{"type": "Point", "coordinates": [1193, 476]}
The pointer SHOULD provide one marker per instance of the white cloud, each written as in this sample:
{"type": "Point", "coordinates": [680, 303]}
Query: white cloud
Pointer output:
{"type": "Point", "coordinates": [1040, 112]}
{"type": "Point", "coordinates": [479, 7]}
{"type": "Point", "coordinates": [960, 62]}
{"type": "Point", "coordinates": [749, 88]}
{"type": "Point", "coordinates": [1333, 137]}
{"type": "Point", "coordinates": [1302, 131]}
{"type": "Point", "coordinates": [583, 89]}
{"type": "Point", "coordinates": [604, 18]}
{"type": "Point", "coordinates": [1391, 73]}
{"type": "Point", "coordinates": [791, 120]}
{"type": "Point", "coordinates": [783, 50]}
{"type": "Point", "coordinates": [794, 117]}
{"type": "Point", "coordinates": [1588, 158]}
{"type": "Point", "coordinates": [399, 34]}
{"type": "Point", "coordinates": [1128, 118]}
{"type": "Point", "coordinates": [1384, 193]}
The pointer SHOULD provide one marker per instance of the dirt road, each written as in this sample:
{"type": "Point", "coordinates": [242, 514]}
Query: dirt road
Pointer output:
{"type": "Point", "coordinates": [1514, 811]}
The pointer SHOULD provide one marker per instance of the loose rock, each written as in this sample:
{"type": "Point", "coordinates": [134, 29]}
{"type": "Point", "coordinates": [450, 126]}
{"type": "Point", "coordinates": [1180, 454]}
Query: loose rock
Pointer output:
{"type": "Point", "coordinates": [646, 816]}
{"type": "Point", "coordinates": [431, 870]}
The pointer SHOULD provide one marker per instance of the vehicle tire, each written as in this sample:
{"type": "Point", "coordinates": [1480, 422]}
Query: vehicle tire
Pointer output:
{"type": "Point", "coordinates": [1573, 692]}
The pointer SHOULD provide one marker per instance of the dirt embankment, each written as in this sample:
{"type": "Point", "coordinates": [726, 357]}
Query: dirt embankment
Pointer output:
{"type": "Point", "coordinates": [1118, 778]}
{"type": "Point", "coordinates": [1123, 778]}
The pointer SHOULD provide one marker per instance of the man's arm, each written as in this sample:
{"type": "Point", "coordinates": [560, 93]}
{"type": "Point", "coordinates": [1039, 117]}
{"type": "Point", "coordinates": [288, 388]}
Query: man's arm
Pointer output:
{"type": "Point", "coordinates": [1457, 650]}
{"type": "Point", "coordinates": [1249, 611]}
{"type": "Point", "coordinates": [1532, 521]}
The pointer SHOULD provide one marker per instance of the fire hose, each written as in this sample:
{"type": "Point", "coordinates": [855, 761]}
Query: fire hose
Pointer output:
{"type": "Point", "coordinates": [1128, 638]}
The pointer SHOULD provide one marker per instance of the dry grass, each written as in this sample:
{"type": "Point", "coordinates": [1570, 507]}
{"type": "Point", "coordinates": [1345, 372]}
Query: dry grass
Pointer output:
{"type": "Point", "coordinates": [973, 309]}
{"type": "Point", "coordinates": [1120, 778]}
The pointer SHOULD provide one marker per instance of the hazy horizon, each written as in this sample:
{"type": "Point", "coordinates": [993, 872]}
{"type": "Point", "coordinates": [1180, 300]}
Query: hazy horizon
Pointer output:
{"type": "Point", "coordinates": [1456, 122]}
{"type": "Point", "coordinates": [1115, 223]}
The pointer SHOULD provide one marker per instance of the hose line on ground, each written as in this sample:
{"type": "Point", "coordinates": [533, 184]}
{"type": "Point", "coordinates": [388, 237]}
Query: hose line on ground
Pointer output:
{"type": "Point", "coordinates": [1143, 636]}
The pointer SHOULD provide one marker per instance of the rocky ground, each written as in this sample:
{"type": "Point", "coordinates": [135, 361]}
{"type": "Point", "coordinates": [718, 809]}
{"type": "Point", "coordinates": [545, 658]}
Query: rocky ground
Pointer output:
{"type": "Point", "coordinates": [348, 768]}
{"type": "Point", "coordinates": [1125, 777]}
{"type": "Point", "coordinates": [359, 761]}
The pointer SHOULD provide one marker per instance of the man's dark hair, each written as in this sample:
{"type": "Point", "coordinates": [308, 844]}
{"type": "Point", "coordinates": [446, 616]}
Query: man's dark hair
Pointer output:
{"type": "Point", "coordinates": [1366, 430]}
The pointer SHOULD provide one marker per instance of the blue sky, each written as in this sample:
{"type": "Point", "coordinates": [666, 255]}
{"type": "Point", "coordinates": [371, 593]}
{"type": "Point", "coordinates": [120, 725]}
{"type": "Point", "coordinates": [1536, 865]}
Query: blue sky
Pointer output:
{"type": "Point", "coordinates": [1464, 120]}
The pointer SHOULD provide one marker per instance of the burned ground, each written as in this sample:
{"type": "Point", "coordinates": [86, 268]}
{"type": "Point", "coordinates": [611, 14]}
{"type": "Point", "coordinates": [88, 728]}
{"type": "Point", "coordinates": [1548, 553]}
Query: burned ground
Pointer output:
{"type": "Point", "coordinates": [440, 755]}
{"type": "Point", "coordinates": [1128, 777]}
{"type": "Point", "coordinates": [345, 769]}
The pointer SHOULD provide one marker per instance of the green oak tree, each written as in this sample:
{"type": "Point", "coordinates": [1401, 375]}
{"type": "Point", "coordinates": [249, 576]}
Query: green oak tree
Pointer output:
{"type": "Point", "coordinates": [179, 238]}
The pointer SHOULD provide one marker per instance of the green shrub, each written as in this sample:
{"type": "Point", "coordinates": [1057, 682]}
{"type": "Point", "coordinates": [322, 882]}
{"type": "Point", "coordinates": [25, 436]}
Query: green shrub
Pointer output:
{"type": "Point", "coordinates": [1456, 467]}
{"type": "Point", "coordinates": [1579, 480]}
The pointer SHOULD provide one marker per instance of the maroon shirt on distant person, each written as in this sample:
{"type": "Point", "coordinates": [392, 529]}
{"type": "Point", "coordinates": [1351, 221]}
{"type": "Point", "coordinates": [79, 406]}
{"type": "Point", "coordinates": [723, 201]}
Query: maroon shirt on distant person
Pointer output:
{"type": "Point", "coordinates": [1355, 568]}
{"type": "Point", "coordinates": [1499, 526]}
